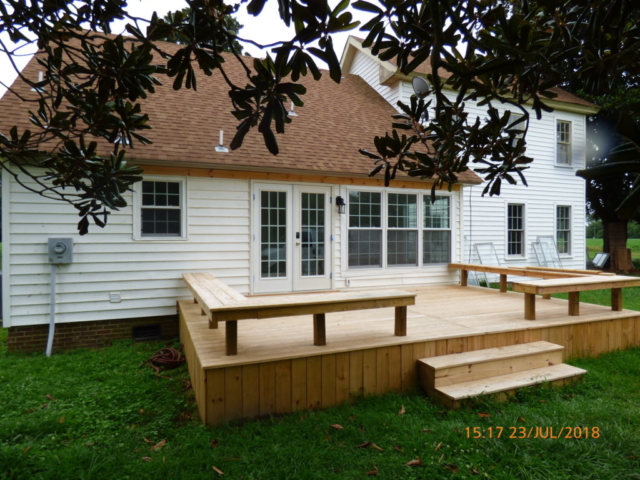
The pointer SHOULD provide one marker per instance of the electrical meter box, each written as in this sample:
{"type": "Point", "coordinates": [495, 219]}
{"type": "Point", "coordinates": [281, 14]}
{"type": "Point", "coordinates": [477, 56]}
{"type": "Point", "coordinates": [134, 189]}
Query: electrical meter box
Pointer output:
{"type": "Point", "coordinates": [61, 250]}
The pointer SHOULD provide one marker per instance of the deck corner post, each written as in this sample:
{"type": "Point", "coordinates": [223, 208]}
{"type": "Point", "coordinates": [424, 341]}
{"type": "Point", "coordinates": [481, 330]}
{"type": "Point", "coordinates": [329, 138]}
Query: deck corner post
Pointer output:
{"type": "Point", "coordinates": [616, 299]}
{"type": "Point", "coordinates": [231, 337]}
{"type": "Point", "coordinates": [529, 306]}
{"type": "Point", "coordinates": [401, 322]}
{"type": "Point", "coordinates": [464, 276]}
{"type": "Point", "coordinates": [319, 329]}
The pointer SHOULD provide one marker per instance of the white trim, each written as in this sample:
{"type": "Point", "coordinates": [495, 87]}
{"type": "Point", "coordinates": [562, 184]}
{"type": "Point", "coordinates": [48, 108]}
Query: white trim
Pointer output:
{"type": "Point", "coordinates": [347, 272]}
{"type": "Point", "coordinates": [6, 249]}
{"type": "Point", "coordinates": [506, 255]}
{"type": "Point", "coordinates": [136, 205]}
{"type": "Point", "coordinates": [254, 232]}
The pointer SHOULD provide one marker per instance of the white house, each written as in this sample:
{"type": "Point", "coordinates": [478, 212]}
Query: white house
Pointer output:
{"type": "Point", "coordinates": [553, 205]}
{"type": "Point", "coordinates": [266, 224]}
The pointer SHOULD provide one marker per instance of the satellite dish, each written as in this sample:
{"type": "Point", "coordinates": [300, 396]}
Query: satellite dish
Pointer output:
{"type": "Point", "coordinates": [420, 87]}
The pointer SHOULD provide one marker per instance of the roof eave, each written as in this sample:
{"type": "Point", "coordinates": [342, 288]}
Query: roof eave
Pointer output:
{"type": "Point", "coordinates": [244, 168]}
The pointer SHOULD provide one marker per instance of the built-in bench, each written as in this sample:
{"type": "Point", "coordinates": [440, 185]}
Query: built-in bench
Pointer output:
{"type": "Point", "coordinates": [504, 272]}
{"type": "Point", "coordinates": [573, 286]}
{"type": "Point", "coordinates": [554, 280]}
{"type": "Point", "coordinates": [221, 303]}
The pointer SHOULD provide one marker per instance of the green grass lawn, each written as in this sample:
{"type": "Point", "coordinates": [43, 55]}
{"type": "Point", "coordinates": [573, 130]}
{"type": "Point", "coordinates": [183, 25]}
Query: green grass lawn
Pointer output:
{"type": "Point", "coordinates": [631, 297]}
{"type": "Point", "coordinates": [594, 245]}
{"type": "Point", "coordinates": [95, 414]}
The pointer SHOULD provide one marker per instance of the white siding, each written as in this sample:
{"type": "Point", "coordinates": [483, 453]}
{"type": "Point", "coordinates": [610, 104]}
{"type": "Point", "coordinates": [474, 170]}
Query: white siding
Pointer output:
{"type": "Point", "coordinates": [367, 68]}
{"type": "Point", "coordinates": [549, 186]}
{"type": "Point", "coordinates": [147, 273]}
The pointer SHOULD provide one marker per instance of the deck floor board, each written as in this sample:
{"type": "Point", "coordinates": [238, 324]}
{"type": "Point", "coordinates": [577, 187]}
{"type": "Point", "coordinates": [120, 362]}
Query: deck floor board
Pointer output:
{"type": "Point", "coordinates": [441, 313]}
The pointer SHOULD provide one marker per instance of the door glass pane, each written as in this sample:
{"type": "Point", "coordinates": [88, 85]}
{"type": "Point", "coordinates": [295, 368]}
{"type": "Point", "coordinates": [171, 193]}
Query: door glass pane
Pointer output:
{"type": "Point", "coordinates": [273, 234]}
{"type": "Point", "coordinates": [312, 241]}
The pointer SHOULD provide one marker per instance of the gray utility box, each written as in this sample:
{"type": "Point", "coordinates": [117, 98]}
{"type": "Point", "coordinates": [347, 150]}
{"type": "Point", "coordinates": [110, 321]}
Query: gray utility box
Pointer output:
{"type": "Point", "coordinates": [60, 250]}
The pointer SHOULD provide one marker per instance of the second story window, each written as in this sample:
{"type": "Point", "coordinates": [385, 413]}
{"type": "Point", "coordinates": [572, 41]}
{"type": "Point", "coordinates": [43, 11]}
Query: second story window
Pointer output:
{"type": "Point", "coordinates": [563, 142]}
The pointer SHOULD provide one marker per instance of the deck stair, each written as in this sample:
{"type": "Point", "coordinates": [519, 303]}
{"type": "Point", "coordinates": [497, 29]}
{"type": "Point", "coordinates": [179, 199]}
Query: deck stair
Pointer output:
{"type": "Point", "coordinates": [451, 379]}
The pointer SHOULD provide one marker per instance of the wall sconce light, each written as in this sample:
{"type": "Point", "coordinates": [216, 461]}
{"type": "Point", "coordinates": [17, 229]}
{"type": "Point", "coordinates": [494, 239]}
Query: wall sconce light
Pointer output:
{"type": "Point", "coordinates": [341, 205]}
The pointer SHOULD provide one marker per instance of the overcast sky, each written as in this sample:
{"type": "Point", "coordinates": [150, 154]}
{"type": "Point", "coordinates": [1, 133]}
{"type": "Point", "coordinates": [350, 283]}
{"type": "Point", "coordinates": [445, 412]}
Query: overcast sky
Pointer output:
{"type": "Point", "coordinates": [265, 29]}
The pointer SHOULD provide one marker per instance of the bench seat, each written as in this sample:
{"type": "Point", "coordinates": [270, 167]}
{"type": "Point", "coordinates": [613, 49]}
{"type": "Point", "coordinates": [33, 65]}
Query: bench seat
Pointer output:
{"type": "Point", "coordinates": [573, 286]}
{"type": "Point", "coordinates": [220, 303]}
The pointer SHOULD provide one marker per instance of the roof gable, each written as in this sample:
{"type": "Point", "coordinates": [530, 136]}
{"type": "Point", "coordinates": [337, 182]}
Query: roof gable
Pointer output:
{"type": "Point", "coordinates": [324, 137]}
{"type": "Point", "coordinates": [564, 100]}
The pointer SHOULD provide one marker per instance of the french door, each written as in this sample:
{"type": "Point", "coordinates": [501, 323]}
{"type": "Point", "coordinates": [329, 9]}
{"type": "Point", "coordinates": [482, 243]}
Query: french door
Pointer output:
{"type": "Point", "coordinates": [291, 238]}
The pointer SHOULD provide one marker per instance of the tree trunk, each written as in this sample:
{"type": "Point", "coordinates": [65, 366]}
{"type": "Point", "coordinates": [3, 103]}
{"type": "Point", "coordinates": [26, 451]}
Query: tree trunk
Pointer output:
{"type": "Point", "coordinates": [615, 243]}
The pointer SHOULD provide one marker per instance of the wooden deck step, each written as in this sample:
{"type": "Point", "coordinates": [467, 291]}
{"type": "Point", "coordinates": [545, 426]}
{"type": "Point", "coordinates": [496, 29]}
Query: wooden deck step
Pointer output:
{"type": "Point", "coordinates": [457, 368]}
{"type": "Point", "coordinates": [453, 378]}
{"type": "Point", "coordinates": [509, 382]}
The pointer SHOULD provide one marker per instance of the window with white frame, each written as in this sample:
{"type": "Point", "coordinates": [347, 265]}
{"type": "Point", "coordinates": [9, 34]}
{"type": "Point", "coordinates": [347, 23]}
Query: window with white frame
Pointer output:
{"type": "Point", "coordinates": [515, 229]}
{"type": "Point", "coordinates": [563, 142]}
{"type": "Point", "coordinates": [161, 209]}
{"type": "Point", "coordinates": [436, 236]}
{"type": "Point", "coordinates": [384, 230]}
{"type": "Point", "coordinates": [365, 229]}
{"type": "Point", "coordinates": [563, 229]}
{"type": "Point", "coordinates": [402, 231]}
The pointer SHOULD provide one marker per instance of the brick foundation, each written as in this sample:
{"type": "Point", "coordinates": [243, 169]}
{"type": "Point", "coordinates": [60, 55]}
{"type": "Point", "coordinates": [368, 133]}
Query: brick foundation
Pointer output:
{"type": "Point", "coordinates": [33, 338]}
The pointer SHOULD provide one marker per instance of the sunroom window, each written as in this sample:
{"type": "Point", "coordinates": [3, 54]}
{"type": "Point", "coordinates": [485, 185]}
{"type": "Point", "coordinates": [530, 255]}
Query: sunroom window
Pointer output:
{"type": "Point", "coordinates": [436, 238]}
{"type": "Point", "coordinates": [365, 229]}
{"type": "Point", "coordinates": [402, 232]}
{"type": "Point", "coordinates": [396, 229]}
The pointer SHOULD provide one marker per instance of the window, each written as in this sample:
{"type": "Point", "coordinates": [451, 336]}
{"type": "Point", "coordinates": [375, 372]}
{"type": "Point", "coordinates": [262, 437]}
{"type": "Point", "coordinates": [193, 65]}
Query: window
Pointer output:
{"type": "Point", "coordinates": [365, 229]}
{"type": "Point", "coordinates": [515, 229]}
{"type": "Point", "coordinates": [563, 229]}
{"type": "Point", "coordinates": [518, 128]}
{"type": "Point", "coordinates": [161, 209]}
{"type": "Point", "coordinates": [402, 232]}
{"type": "Point", "coordinates": [436, 239]}
{"type": "Point", "coordinates": [563, 142]}
{"type": "Point", "coordinates": [396, 229]}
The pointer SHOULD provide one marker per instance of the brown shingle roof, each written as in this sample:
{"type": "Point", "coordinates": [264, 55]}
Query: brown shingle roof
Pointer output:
{"type": "Point", "coordinates": [562, 96]}
{"type": "Point", "coordinates": [336, 120]}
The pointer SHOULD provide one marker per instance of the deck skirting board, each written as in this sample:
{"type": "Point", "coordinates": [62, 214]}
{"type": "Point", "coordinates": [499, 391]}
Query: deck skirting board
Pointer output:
{"type": "Point", "coordinates": [324, 380]}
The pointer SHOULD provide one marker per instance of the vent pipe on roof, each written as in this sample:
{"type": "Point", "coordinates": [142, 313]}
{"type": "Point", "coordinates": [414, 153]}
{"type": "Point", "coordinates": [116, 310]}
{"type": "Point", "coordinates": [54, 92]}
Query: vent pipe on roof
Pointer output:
{"type": "Point", "coordinates": [40, 80]}
{"type": "Point", "coordinates": [221, 148]}
{"type": "Point", "coordinates": [292, 112]}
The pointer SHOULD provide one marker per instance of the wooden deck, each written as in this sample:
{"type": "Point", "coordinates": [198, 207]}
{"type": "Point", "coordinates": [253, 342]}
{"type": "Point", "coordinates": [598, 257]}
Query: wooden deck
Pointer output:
{"type": "Point", "coordinates": [279, 370]}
